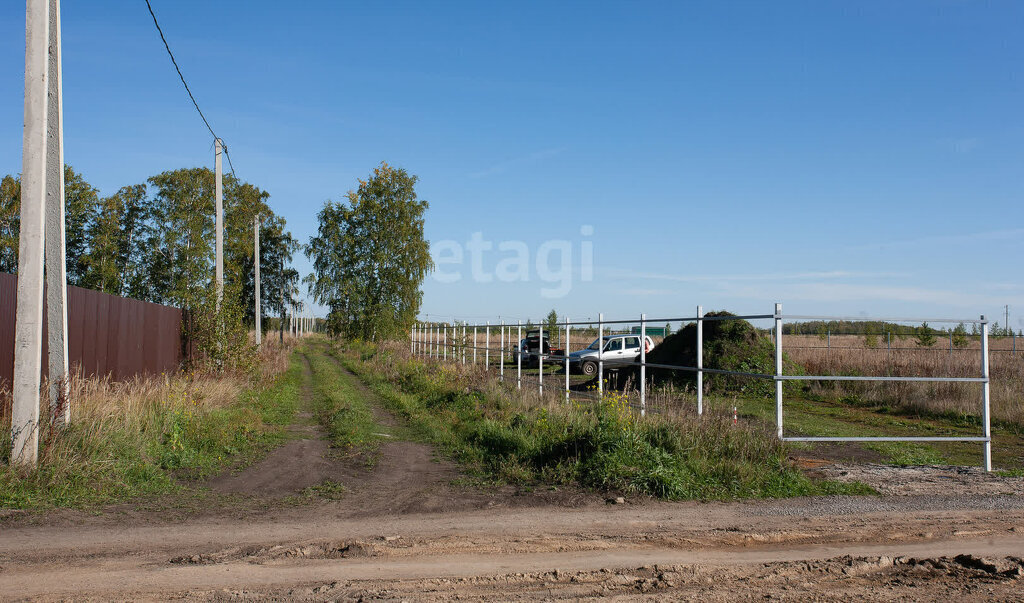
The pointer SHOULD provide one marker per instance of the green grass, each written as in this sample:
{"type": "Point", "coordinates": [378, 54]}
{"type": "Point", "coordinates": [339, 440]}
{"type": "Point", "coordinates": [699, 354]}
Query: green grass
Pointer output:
{"type": "Point", "coordinates": [339, 405]}
{"type": "Point", "coordinates": [152, 449]}
{"type": "Point", "coordinates": [602, 446]}
{"type": "Point", "coordinates": [820, 417]}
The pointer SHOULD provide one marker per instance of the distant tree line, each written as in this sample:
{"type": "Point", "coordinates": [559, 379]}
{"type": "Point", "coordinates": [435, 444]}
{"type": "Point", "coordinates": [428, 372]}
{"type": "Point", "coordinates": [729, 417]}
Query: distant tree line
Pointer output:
{"type": "Point", "coordinates": [155, 241]}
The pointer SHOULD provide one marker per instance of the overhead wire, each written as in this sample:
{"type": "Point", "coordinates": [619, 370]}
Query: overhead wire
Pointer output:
{"type": "Point", "coordinates": [189, 90]}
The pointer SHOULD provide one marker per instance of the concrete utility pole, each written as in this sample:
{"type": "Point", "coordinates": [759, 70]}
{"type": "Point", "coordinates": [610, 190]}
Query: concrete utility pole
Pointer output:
{"type": "Point", "coordinates": [281, 326]}
{"type": "Point", "coordinates": [219, 196]}
{"type": "Point", "coordinates": [28, 327]}
{"type": "Point", "coordinates": [256, 256]}
{"type": "Point", "coordinates": [56, 278]}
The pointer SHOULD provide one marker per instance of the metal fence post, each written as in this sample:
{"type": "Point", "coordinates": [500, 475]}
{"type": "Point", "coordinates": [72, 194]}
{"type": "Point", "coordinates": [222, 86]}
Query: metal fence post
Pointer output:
{"type": "Point", "coordinates": [501, 352]}
{"type": "Point", "coordinates": [643, 364]}
{"type": "Point", "coordinates": [463, 343]}
{"type": "Point", "coordinates": [778, 368]}
{"type": "Point", "coordinates": [540, 359]}
{"type": "Point", "coordinates": [412, 341]}
{"type": "Point", "coordinates": [487, 346]}
{"type": "Point", "coordinates": [700, 360]}
{"type": "Point", "coordinates": [566, 354]}
{"type": "Point", "coordinates": [600, 355]}
{"type": "Point", "coordinates": [519, 356]}
{"type": "Point", "coordinates": [444, 342]}
{"type": "Point", "coordinates": [986, 420]}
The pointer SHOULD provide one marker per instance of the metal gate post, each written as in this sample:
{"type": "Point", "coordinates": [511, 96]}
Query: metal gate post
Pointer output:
{"type": "Point", "coordinates": [643, 364]}
{"type": "Point", "coordinates": [778, 368]}
{"type": "Point", "coordinates": [566, 353]}
{"type": "Point", "coordinates": [540, 359]}
{"type": "Point", "coordinates": [700, 360]}
{"type": "Point", "coordinates": [600, 355]}
{"type": "Point", "coordinates": [519, 355]}
{"type": "Point", "coordinates": [986, 419]}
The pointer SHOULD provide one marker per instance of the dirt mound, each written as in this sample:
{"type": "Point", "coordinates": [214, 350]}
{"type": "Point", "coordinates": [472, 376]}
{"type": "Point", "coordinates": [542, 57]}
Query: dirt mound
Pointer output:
{"type": "Point", "coordinates": [733, 345]}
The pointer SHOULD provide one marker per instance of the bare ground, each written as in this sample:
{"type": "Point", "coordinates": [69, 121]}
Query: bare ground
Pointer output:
{"type": "Point", "coordinates": [407, 527]}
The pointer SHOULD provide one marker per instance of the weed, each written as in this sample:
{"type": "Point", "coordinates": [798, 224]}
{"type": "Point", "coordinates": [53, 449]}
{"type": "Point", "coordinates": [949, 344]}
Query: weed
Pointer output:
{"type": "Point", "coordinates": [526, 440]}
{"type": "Point", "coordinates": [143, 436]}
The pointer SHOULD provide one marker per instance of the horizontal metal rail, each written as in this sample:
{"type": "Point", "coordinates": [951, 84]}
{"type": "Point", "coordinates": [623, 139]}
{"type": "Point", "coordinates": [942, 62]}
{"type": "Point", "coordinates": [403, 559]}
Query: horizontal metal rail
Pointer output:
{"type": "Point", "coordinates": [886, 439]}
{"type": "Point", "coordinates": [436, 345]}
{"type": "Point", "coordinates": [694, 369]}
{"type": "Point", "coordinates": [606, 322]}
{"type": "Point", "coordinates": [873, 378]}
{"type": "Point", "coordinates": [883, 319]}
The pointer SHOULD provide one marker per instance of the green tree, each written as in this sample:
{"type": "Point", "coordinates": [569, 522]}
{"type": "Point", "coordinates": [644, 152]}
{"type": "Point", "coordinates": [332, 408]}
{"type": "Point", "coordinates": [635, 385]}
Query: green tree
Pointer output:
{"type": "Point", "coordinates": [243, 203]}
{"type": "Point", "coordinates": [870, 337]}
{"type": "Point", "coordinates": [116, 259]}
{"type": "Point", "coordinates": [370, 256]}
{"type": "Point", "coordinates": [960, 336]}
{"type": "Point", "coordinates": [81, 207]}
{"type": "Point", "coordinates": [925, 336]}
{"type": "Point", "coordinates": [10, 223]}
{"type": "Point", "coordinates": [181, 241]}
{"type": "Point", "coordinates": [278, 280]}
{"type": "Point", "coordinates": [551, 322]}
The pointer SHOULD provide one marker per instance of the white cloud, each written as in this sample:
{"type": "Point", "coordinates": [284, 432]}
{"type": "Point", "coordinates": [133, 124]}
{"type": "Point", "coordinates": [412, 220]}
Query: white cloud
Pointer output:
{"type": "Point", "coordinates": [504, 166]}
{"type": "Point", "coordinates": [645, 292]}
{"type": "Point", "coordinates": [622, 274]}
{"type": "Point", "coordinates": [955, 239]}
{"type": "Point", "coordinates": [845, 292]}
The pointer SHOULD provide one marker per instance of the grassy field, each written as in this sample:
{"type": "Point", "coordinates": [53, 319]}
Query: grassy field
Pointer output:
{"type": "Point", "coordinates": [522, 437]}
{"type": "Point", "coordinates": [854, 408]}
{"type": "Point", "coordinates": [849, 355]}
{"type": "Point", "coordinates": [147, 435]}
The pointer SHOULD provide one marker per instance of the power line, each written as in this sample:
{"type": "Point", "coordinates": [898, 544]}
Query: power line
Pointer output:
{"type": "Point", "coordinates": [178, 69]}
{"type": "Point", "coordinates": [187, 89]}
{"type": "Point", "coordinates": [228, 155]}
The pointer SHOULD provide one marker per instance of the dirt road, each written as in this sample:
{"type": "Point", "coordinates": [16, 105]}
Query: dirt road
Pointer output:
{"type": "Point", "coordinates": [405, 529]}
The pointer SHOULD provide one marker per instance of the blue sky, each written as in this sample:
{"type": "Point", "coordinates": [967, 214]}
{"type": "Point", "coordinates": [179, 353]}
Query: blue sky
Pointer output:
{"type": "Point", "coordinates": [861, 158]}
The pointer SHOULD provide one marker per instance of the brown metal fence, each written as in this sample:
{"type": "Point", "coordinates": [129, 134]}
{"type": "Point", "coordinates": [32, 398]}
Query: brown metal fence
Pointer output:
{"type": "Point", "coordinates": [107, 335]}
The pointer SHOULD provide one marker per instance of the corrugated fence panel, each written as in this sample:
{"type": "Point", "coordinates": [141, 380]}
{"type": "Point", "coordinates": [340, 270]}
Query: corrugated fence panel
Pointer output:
{"type": "Point", "coordinates": [8, 297]}
{"type": "Point", "coordinates": [102, 332]}
{"type": "Point", "coordinates": [107, 334]}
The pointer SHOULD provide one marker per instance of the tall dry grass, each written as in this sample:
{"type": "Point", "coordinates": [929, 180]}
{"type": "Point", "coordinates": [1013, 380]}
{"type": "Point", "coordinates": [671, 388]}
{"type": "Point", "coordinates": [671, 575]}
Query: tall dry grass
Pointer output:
{"type": "Point", "coordinates": [524, 436]}
{"type": "Point", "coordinates": [101, 405]}
{"type": "Point", "coordinates": [848, 355]}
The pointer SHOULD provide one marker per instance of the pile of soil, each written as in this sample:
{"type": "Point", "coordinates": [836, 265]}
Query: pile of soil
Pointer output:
{"type": "Point", "coordinates": [733, 345]}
